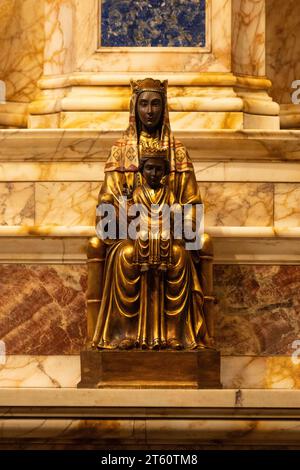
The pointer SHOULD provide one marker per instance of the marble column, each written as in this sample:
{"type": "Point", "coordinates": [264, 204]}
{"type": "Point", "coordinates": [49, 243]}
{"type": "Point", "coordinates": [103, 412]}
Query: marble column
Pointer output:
{"type": "Point", "coordinates": [283, 58]}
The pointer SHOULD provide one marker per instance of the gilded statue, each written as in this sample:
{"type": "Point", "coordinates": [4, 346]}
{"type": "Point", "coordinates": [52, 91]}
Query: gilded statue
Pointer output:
{"type": "Point", "coordinates": [150, 292]}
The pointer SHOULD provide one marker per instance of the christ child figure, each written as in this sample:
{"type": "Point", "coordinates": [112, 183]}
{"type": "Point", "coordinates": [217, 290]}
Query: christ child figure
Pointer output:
{"type": "Point", "coordinates": [153, 197]}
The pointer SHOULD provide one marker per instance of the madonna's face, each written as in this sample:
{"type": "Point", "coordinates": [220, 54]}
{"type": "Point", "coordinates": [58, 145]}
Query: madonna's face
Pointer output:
{"type": "Point", "coordinates": [149, 108]}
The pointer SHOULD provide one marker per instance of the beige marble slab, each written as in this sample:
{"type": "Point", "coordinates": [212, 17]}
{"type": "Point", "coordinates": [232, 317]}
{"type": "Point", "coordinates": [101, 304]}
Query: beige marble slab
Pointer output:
{"type": "Point", "coordinates": [39, 371]}
{"type": "Point", "coordinates": [183, 435]}
{"type": "Point", "coordinates": [67, 244]}
{"type": "Point", "coordinates": [205, 171]}
{"type": "Point", "coordinates": [66, 203]}
{"type": "Point", "coordinates": [256, 250]}
{"type": "Point", "coordinates": [287, 205]}
{"type": "Point", "coordinates": [267, 171]}
{"type": "Point", "coordinates": [237, 204]}
{"type": "Point", "coordinates": [180, 120]}
{"type": "Point", "coordinates": [57, 171]}
{"type": "Point", "coordinates": [43, 250]}
{"type": "Point", "coordinates": [256, 121]}
{"type": "Point", "coordinates": [254, 171]}
{"type": "Point", "coordinates": [178, 100]}
{"type": "Point", "coordinates": [260, 372]}
{"type": "Point", "coordinates": [70, 397]}
{"type": "Point", "coordinates": [16, 203]}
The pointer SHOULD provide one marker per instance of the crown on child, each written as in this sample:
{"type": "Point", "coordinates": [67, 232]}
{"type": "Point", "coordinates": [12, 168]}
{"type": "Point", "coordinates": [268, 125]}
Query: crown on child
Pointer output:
{"type": "Point", "coordinates": [153, 150]}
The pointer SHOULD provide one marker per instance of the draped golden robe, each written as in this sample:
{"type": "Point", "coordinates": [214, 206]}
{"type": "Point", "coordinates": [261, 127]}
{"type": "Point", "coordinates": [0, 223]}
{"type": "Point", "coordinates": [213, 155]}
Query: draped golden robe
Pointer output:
{"type": "Point", "coordinates": [153, 246]}
{"type": "Point", "coordinates": [151, 308]}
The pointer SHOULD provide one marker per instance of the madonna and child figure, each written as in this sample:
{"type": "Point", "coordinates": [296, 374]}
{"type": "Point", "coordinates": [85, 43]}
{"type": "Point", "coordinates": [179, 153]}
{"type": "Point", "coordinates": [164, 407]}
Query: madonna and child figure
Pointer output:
{"type": "Point", "coordinates": [154, 293]}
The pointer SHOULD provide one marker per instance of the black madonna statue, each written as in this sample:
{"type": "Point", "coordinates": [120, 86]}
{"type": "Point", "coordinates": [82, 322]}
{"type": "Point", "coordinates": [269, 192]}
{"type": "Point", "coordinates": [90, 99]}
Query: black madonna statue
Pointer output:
{"type": "Point", "coordinates": [152, 293]}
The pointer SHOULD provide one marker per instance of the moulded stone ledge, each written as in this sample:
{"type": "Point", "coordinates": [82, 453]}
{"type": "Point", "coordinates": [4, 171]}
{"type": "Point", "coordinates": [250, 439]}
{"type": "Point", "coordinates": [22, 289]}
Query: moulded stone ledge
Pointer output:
{"type": "Point", "coordinates": [68, 244]}
{"type": "Point", "coordinates": [93, 145]}
{"type": "Point", "coordinates": [174, 79]}
{"type": "Point", "coordinates": [52, 230]}
{"type": "Point", "coordinates": [141, 402]}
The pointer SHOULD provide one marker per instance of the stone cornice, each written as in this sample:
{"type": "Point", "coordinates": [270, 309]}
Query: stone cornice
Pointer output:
{"type": "Point", "coordinates": [55, 145]}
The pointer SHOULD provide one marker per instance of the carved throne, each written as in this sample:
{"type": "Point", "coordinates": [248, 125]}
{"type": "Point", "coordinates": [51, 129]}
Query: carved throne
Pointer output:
{"type": "Point", "coordinates": [96, 261]}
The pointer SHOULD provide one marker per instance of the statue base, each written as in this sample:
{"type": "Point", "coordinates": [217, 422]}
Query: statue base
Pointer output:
{"type": "Point", "coordinates": [150, 369]}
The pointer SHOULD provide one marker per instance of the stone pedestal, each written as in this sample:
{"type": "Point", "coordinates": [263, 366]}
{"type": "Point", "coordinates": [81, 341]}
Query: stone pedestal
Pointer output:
{"type": "Point", "coordinates": [150, 369]}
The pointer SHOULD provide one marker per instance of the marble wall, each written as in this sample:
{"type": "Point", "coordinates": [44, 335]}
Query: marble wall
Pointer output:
{"type": "Point", "coordinates": [43, 325]}
{"type": "Point", "coordinates": [42, 309]}
{"type": "Point", "coordinates": [21, 47]}
{"type": "Point", "coordinates": [53, 201]}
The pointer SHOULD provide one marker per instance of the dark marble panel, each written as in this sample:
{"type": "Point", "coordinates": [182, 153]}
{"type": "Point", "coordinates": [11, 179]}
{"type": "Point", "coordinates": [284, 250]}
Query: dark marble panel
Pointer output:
{"type": "Point", "coordinates": [42, 308]}
{"type": "Point", "coordinates": [153, 23]}
{"type": "Point", "coordinates": [259, 309]}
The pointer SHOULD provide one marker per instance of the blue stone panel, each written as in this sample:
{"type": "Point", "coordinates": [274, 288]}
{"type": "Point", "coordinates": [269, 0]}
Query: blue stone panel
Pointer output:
{"type": "Point", "coordinates": [153, 23]}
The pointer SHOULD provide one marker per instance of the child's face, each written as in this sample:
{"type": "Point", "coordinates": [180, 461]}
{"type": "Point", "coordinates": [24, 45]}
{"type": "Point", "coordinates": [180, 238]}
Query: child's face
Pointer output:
{"type": "Point", "coordinates": [153, 172]}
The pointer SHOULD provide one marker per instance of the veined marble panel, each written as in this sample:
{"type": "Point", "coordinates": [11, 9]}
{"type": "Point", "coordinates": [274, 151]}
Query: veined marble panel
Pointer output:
{"type": "Point", "coordinates": [260, 372]}
{"type": "Point", "coordinates": [258, 309]}
{"type": "Point", "coordinates": [180, 120]}
{"type": "Point", "coordinates": [16, 203]}
{"type": "Point", "coordinates": [66, 203]}
{"type": "Point", "coordinates": [231, 204]}
{"type": "Point", "coordinates": [42, 308]}
{"type": "Point", "coordinates": [44, 121]}
{"type": "Point", "coordinates": [40, 371]}
{"type": "Point", "coordinates": [283, 47]}
{"type": "Point", "coordinates": [59, 32]}
{"type": "Point", "coordinates": [248, 39]}
{"type": "Point", "coordinates": [237, 204]}
{"type": "Point", "coordinates": [246, 171]}
{"type": "Point", "coordinates": [287, 205]}
{"type": "Point", "coordinates": [21, 47]}
{"type": "Point", "coordinates": [57, 171]}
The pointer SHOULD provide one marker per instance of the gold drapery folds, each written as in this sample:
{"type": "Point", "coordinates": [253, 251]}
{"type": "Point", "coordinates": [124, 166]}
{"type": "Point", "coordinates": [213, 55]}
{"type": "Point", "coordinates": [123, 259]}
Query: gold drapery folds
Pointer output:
{"type": "Point", "coordinates": [150, 308]}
